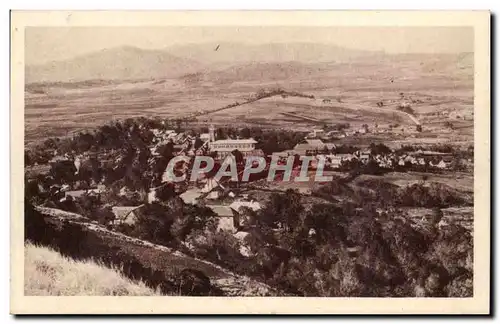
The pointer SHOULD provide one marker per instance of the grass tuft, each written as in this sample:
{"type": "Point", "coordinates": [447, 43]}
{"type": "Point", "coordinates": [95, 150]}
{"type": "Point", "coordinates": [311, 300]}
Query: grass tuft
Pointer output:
{"type": "Point", "coordinates": [48, 273]}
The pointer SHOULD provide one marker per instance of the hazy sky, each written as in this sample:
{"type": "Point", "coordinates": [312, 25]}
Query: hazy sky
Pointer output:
{"type": "Point", "coordinates": [45, 44]}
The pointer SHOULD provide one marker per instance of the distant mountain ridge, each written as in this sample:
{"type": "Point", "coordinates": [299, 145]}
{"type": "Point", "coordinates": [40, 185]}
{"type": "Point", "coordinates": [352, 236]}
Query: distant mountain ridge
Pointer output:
{"type": "Point", "coordinates": [232, 60]}
{"type": "Point", "coordinates": [109, 64]}
{"type": "Point", "coordinates": [270, 52]}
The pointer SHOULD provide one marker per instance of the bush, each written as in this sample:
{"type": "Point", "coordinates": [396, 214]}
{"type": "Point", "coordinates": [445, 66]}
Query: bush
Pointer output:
{"type": "Point", "coordinates": [192, 282]}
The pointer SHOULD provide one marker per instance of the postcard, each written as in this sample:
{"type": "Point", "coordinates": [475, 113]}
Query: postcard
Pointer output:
{"type": "Point", "coordinates": [250, 162]}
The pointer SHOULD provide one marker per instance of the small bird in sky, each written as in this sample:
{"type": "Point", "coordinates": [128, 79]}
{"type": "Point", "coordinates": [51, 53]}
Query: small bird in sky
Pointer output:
{"type": "Point", "coordinates": [218, 45]}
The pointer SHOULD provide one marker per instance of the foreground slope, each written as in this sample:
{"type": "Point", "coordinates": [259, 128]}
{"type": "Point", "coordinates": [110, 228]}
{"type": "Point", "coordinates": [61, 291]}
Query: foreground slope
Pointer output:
{"type": "Point", "coordinates": [48, 273]}
{"type": "Point", "coordinates": [156, 265]}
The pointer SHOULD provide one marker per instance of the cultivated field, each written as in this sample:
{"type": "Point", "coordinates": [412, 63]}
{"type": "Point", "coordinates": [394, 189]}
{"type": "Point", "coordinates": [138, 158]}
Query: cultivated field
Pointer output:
{"type": "Point", "coordinates": [441, 90]}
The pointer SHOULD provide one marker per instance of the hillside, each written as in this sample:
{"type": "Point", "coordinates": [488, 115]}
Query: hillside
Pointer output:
{"type": "Point", "coordinates": [48, 273]}
{"type": "Point", "coordinates": [156, 265]}
{"type": "Point", "coordinates": [122, 63]}
{"type": "Point", "coordinates": [268, 71]}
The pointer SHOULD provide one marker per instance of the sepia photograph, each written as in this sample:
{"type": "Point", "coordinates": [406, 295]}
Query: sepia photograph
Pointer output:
{"type": "Point", "coordinates": [323, 156]}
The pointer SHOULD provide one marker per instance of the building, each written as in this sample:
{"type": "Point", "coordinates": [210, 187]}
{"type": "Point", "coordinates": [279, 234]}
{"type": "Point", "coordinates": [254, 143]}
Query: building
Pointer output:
{"type": "Point", "coordinates": [320, 145]}
{"type": "Point", "coordinates": [79, 193]}
{"type": "Point", "coordinates": [364, 156]}
{"type": "Point", "coordinates": [315, 142]}
{"type": "Point", "coordinates": [240, 218]}
{"type": "Point", "coordinates": [316, 133]}
{"type": "Point", "coordinates": [330, 146]}
{"type": "Point", "coordinates": [191, 196]}
{"type": "Point", "coordinates": [126, 214]}
{"type": "Point", "coordinates": [205, 137]}
{"type": "Point", "coordinates": [445, 163]}
{"type": "Point", "coordinates": [313, 148]}
{"type": "Point", "coordinates": [335, 161]}
{"type": "Point", "coordinates": [225, 147]}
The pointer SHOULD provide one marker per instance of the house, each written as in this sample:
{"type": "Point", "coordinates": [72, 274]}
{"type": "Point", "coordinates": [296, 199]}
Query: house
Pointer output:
{"type": "Point", "coordinates": [445, 163]}
{"type": "Point", "coordinates": [126, 214]}
{"type": "Point", "coordinates": [335, 161]}
{"type": "Point", "coordinates": [315, 142]}
{"type": "Point", "coordinates": [212, 189]}
{"type": "Point", "coordinates": [239, 218]}
{"type": "Point", "coordinates": [385, 163]}
{"type": "Point", "coordinates": [316, 146]}
{"type": "Point", "coordinates": [349, 133]}
{"type": "Point", "coordinates": [441, 165]}
{"type": "Point", "coordinates": [410, 159]}
{"type": "Point", "coordinates": [205, 137]}
{"type": "Point", "coordinates": [316, 133]}
{"type": "Point", "coordinates": [79, 193]}
{"type": "Point", "coordinates": [232, 217]}
{"type": "Point", "coordinates": [304, 149]}
{"type": "Point", "coordinates": [334, 133]}
{"type": "Point", "coordinates": [59, 158]}
{"type": "Point", "coordinates": [364, 156]}
{"type": "Point", "coordinates": [330, 146]}
{"type": "Point", "coordinates": [190, 196]}
{"type": "Point", "coordinates": [346, 156]}
{"type": "Point", "coordinates": [225, 217]}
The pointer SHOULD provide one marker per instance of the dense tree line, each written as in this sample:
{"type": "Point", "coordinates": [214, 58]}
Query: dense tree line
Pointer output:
{"type": "Point", "coordinates": [345, 250]}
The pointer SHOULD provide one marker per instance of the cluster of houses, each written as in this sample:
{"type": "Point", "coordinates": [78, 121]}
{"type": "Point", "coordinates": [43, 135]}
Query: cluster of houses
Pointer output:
{"type": "Point", "coordinates": [185, 144]}
{"type": "Point", "coordinates": [323, 134]}
{"type": "Point", "coordinates": [364, 129]}
{"type": "Point", "coordinates": [320, 149]}
{"type": "Point", "coordinates": [231, 212]}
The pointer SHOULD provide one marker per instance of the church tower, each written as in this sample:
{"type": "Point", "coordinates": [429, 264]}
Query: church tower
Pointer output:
{"type": "Point", "coordinates": [211, 131]}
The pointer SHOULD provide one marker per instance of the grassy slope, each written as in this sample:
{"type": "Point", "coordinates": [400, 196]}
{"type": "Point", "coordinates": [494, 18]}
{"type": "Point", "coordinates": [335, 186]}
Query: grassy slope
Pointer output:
{"type": "Point", "coordinates": [47, 272]}
{"type": "Point", "coordinates": [102, 244]}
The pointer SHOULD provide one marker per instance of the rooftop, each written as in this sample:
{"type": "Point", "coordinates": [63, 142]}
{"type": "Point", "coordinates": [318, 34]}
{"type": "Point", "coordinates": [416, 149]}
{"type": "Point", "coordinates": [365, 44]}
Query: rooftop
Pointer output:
{"type": "Point", "coordinates": [315, 142]}
{"type": "Point", "coordinates": [122, 212]}
{"type": "Point", "coordinates": [236, 141]}
{"type": "Point", "coordinates": [220, 210]}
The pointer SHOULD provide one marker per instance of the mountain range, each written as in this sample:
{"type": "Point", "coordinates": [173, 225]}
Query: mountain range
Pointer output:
{"type": "Point", "coordinates": [214, 60]}
{"type": "Point", "coordinates": [129, 62]}
{"type": "Point", "coordinates": [122, 63]}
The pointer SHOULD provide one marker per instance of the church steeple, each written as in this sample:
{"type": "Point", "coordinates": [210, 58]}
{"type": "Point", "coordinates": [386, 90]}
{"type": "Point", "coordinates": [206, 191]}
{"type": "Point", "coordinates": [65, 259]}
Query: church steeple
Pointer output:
{"type": "Point", "coordinates": [211, 131]}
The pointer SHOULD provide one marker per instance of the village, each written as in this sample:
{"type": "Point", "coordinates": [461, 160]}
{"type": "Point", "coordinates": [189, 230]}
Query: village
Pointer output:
{"type": "Point", "coordinates": [228, 199]}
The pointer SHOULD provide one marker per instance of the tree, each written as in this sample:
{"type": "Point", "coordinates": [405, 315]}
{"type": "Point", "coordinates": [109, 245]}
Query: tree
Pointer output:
{"type": "Point", "coordinates": [328, 223]}
{"type": "Point", "coordinates": [245, 132]}
{"type": "Point", "coordinates": [283, 210]}
{"type": "Point", "coordinates": [105, 215]}
{"type": "Point", "coordinates": [238, 156]}
{"type": "Point", "coordinates": [63, 171]}
{"type": "Point", "coordinates": [153, 223]}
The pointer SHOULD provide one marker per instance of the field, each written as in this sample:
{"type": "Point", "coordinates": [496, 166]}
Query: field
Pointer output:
{"type": "Point", "coordinates": [441, 89]}
{"type": "Point", "coordinates": [461, 181]}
